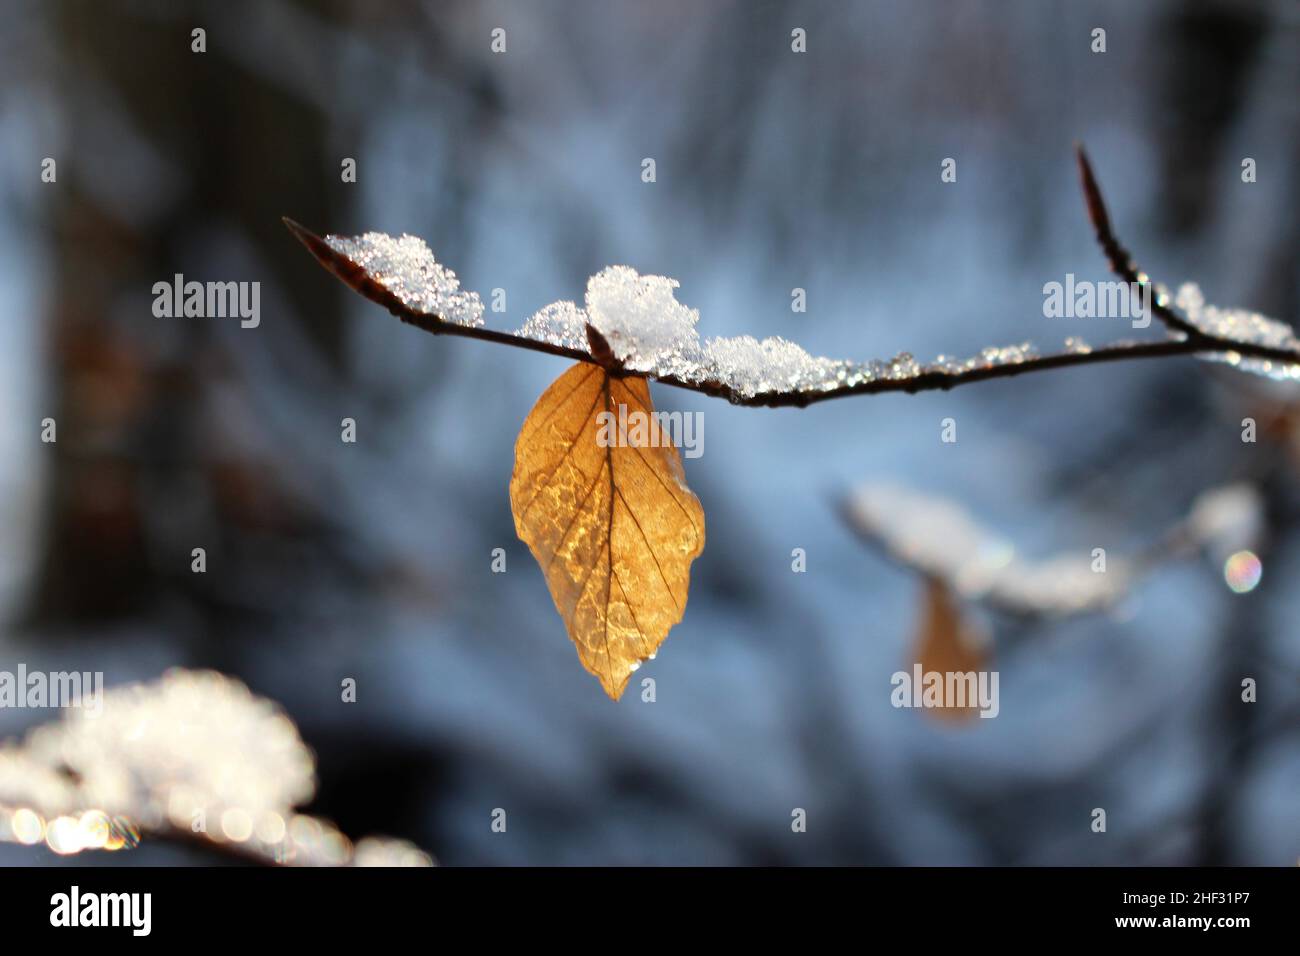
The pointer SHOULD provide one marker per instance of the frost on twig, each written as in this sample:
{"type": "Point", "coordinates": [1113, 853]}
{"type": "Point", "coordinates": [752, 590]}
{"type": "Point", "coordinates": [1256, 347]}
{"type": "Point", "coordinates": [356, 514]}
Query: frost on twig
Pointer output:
{"type": "Point", "coordinates": [1218, 327]}
{"type": "Point", "coordinates": [194, 757]}
{"type": "Point", "coordinates": [940, 540]}
{"type": "Point", "coordinates": [405, 266]}
{"type": "Point", "coordinates": [1244, 326]}
{"type": "Point", "coordinates": [650, 333]}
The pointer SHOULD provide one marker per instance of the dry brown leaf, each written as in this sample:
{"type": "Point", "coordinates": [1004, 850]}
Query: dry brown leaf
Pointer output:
{"type": "Point", "coordinates": [615, 529]}
{"type": "Point", "coordinates": [947, 643]}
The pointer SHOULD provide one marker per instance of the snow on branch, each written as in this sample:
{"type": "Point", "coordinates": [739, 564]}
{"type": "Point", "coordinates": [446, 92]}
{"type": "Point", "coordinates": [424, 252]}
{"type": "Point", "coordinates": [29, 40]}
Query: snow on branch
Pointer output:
{"type": "Point", "coordinates": [939, 540]}
{"type": "Point", "coordinates": [193, 757]}
{"type": "Point", "coordinates": [633, 325]}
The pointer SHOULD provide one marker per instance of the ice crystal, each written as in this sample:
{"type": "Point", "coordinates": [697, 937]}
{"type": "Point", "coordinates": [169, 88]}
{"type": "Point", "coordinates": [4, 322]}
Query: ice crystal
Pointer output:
{"type": "Point", "coordinates": [1241, 325]}
{"type": "Point", "coordinates": [405, 266]}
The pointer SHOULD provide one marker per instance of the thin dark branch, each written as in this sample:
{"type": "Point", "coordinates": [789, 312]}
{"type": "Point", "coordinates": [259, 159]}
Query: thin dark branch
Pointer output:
{"type": "Point", "coordinates": [356, 278]}
{"type": "Point", "coordinates": [1121, 262]}
{"type": "Point", "coordinates": [1191, 340]}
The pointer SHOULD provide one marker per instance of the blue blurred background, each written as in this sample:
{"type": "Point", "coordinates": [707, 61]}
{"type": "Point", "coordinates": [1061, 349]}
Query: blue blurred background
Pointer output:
{"type": "Point", "coordinates": [775, 170]}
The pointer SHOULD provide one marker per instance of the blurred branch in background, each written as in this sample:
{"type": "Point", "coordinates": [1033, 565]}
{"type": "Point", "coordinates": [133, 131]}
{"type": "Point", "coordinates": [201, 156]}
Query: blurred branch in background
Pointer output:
{"type": "Point", "coordinates": [962, 564]}
{"type": "Point", "coordinates": [937, 539]}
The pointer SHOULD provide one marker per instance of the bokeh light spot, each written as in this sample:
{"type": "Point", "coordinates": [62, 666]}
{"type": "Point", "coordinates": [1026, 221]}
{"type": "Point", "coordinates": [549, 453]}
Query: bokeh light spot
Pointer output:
{"type": "Point", "coordinates": [1242, 571]}
{"type": "Point", "coordinates": [64, 836]}
{"type": "Point", "coordinates": [28, 827]}
{"type": "Point", "coordinates": [237, 824]}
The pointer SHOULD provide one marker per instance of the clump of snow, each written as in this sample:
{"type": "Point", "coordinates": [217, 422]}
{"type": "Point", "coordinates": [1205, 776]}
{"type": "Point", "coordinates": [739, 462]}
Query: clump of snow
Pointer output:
{"type": "Point", "coordinates": [148, 759]}
{"type": "Point", "coordinates": [639, 316]}
{"type": "Point", "coordinates": [406, 267]}
{"type": "Point", "coordinates": [560, 323]}
{"type": "Point", "coordinates": [196, 733]}
{"type": "Point", "coordinates": [751, 367]}
{"type": "Point", "coordinates": [1228, 519]}
{"type": "Point", "coordinates": [1240, 325]}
